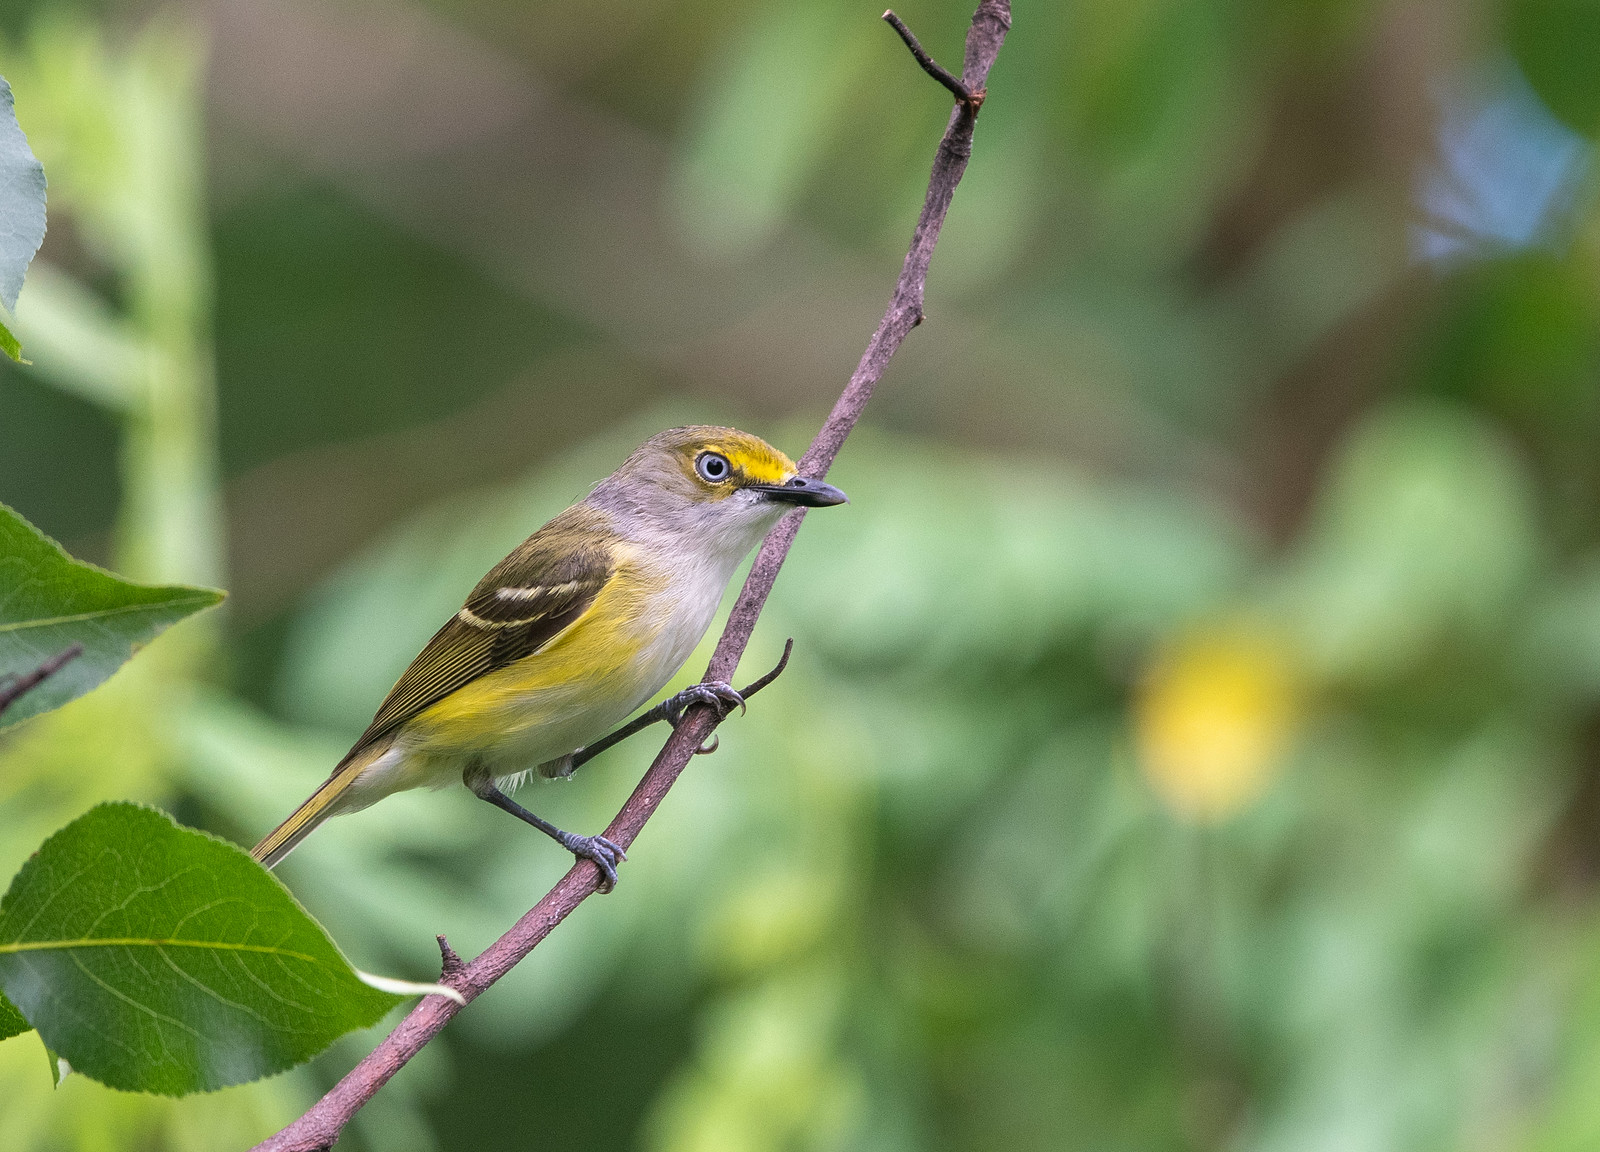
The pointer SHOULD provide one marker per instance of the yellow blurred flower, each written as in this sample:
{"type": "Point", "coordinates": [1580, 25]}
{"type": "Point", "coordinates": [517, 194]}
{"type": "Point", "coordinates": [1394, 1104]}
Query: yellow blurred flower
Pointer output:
{"type": "Point", "coordinates": [1214, 717]}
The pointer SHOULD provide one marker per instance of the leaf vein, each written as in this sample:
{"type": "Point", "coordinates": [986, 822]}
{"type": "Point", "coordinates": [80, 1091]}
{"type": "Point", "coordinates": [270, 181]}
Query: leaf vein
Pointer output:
{"type": "Point", "coordinates": [138, 942]}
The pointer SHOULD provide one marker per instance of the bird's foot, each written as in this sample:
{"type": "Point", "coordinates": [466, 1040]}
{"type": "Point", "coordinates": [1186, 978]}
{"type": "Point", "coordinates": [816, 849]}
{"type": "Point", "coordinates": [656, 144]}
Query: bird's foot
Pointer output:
{"type": "Point", "coordinates": [603, 852]}
{"type": "Point", "coordinates": [718, 693]}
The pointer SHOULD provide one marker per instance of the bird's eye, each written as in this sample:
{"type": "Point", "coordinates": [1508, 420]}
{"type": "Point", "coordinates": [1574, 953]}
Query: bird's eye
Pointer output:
{"type": "Point", "coordinates": [713, 467]}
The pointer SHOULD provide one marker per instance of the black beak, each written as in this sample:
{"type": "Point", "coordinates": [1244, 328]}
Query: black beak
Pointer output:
{"type": "Point", "coordinates": [809, 493]}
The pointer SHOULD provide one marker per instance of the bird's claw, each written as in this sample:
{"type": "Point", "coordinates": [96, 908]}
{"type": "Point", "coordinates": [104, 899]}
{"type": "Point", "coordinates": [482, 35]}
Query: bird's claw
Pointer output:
{"type": "Point", "coordinates": [721, 695]}
{"type": "Point", "coordinates": [603, 852]}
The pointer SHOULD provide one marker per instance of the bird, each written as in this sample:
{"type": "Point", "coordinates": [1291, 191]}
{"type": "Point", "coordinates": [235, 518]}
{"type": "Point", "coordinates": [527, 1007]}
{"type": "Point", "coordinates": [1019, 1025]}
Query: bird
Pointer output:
{"type": "Point", "coordinates": [572, 632]}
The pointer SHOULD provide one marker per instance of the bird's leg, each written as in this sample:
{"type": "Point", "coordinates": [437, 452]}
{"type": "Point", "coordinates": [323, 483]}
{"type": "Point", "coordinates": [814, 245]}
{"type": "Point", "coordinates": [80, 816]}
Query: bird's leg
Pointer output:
{"type": "Point", "coordinates": [603, 852]}
{"type": "Point", "coordinates": [718, 693]}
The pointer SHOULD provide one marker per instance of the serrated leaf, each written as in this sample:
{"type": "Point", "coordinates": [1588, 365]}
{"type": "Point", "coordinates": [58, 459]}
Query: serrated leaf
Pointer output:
{"type": "Point", "coordinates": [49, 601]}
{"type": "Point", "coordinates": [22, 195]}
{"type": "Point", "coordinates": [12, 1022]}
{"type": "Point", "coordinates": [160, 959]}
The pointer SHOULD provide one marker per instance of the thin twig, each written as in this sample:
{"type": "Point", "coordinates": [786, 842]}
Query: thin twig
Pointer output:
{"type": "Point", "coordinates": [28, 681]}
{"type": "Point", "coordinates": [931, 66]}
{"type": "Point", "coordinates": [320, 1127]}
{"type": "Point", "coordinates": [761, 682]}
{"type": "Point", "coordinates": [642, 721]}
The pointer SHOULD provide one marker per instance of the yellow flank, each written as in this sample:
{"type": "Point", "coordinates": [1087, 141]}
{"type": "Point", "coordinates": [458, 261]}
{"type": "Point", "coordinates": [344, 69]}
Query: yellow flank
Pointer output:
{"type": "Point", "coordinates": [588, 676]}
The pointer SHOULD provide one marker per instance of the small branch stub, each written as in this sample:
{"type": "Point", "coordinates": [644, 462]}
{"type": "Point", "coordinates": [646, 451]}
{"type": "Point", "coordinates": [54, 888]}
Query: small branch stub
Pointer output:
{"type": "Point", "coordinates": [971, 98]}
{"type": "Point", "coordinates": [449, 963]}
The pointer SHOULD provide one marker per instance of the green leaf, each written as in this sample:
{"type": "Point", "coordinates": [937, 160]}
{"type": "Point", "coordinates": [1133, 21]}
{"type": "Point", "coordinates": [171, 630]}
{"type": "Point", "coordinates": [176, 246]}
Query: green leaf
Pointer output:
{"type": "Point", "coordinates": [159, 959]}
{"type": "Point", "coordinates": [11, 1021]}
{"type": "Point", "coordinates": [48, 601]}
{"type": "Point", "coordinates": [9, 344]}
{"type": "Point", "coordinates": [22, 191]}
{"type": "Point", "coordinates": [59, 1068]}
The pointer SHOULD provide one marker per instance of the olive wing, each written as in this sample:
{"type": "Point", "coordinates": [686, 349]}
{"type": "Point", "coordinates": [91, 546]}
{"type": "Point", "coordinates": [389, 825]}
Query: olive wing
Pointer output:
{"type": "Point", "coordinates": [524, 602]}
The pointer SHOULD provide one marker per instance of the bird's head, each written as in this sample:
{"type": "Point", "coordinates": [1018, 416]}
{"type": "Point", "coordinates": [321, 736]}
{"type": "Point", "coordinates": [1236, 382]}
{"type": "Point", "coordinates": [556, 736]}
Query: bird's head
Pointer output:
{"type": "Point", "coordinates": [717, 480]}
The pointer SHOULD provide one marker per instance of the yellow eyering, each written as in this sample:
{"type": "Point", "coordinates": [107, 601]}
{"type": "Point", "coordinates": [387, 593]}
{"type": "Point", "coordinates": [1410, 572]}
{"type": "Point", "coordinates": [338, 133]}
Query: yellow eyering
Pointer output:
{"type": "Point", "coordinates": [754, 461]}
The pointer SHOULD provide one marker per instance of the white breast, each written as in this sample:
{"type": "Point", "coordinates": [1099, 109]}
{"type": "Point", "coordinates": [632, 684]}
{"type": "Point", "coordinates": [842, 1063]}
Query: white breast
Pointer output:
{"type": "Point", "coordinates": [673, 630]}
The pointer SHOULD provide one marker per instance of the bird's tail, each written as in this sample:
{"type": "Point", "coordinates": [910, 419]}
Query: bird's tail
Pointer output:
{"type": "Point", "coordinates": [318, 807]}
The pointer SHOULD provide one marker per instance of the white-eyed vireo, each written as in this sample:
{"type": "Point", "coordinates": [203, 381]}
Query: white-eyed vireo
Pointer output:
{"type": "Point", "coordinates": [586, 620]}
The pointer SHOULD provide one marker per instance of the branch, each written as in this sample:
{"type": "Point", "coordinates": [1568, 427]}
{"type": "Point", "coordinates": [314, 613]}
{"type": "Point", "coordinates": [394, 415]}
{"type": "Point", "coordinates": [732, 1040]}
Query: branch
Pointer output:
{"type": "Point", "coordinates": [17, 685]}
{"type": "Point", "coordinates": [320, 1127]}
{"type": "Point", "coordinates": [932, 67]}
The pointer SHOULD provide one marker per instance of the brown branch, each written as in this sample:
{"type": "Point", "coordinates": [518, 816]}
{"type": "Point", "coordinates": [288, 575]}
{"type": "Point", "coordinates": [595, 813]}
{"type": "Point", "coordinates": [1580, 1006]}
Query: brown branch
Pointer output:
{"type": "Point", "coordinates": [320, 1127]}
{"type": "Point", "coordinates": [17, 685]}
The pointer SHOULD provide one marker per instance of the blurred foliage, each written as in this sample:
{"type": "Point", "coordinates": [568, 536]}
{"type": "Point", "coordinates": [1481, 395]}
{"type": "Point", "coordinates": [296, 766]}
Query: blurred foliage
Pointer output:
{"type": "Point", "coordinates": [1191, 741]}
